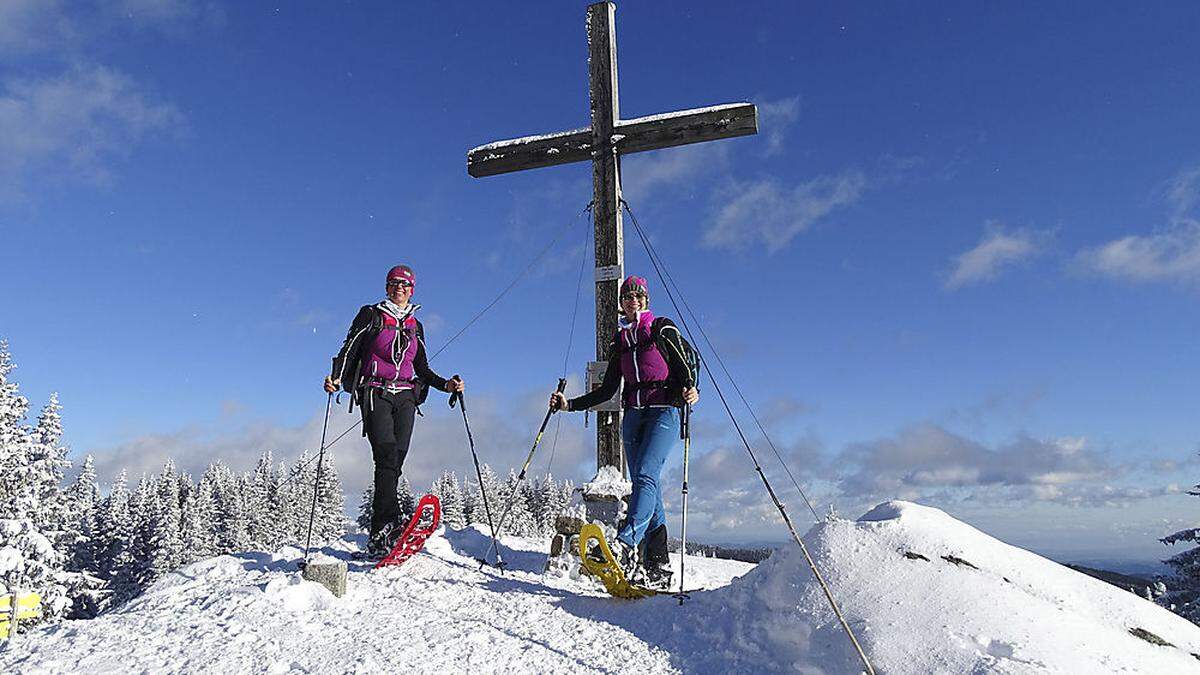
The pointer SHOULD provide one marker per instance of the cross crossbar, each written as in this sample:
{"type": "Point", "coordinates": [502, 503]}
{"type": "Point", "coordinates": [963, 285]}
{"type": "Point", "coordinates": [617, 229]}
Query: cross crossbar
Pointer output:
{"type": "Point", "coordinates": [653, 132]}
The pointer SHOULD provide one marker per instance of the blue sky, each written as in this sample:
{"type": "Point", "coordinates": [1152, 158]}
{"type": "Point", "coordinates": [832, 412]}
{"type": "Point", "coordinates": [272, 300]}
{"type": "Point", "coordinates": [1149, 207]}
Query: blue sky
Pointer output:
{"type": "Point", "coordinates": [958, 264]}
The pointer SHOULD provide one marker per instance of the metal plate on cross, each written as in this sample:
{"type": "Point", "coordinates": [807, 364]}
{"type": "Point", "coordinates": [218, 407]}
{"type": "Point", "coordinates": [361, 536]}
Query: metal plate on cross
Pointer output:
{"type": "Point", "coordinates": [595, 375]}
{"type": "Point", "coordinates": [609, 273]}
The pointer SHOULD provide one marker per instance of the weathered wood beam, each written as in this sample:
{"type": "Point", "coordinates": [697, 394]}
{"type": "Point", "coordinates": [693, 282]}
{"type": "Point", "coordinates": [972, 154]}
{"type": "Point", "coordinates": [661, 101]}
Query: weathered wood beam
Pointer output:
{"type": "Point", "coordinates": [637, 135]}
{"type": "Point", "coordinates": [606, 208]}
{"type": "Point", "coordinates": [531, 152]}
{"type": "Point", "coordinates": [686, 126]}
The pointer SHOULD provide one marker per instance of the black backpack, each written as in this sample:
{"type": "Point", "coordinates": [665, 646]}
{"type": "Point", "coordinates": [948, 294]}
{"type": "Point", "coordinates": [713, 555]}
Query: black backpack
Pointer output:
{"type": "Point", "coordinates": [691, 358]}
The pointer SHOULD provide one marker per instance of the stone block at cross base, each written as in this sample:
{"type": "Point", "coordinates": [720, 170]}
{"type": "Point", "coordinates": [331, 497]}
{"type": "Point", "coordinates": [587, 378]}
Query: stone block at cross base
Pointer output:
{"type": "Point", "coordinates": [329, 573]}
{"type": "Point", "coordinates": [603, 496]}
{"type": "Point", "coordinates": [604, 511]}
{"type": "Point", "coordinates": [568, 523]}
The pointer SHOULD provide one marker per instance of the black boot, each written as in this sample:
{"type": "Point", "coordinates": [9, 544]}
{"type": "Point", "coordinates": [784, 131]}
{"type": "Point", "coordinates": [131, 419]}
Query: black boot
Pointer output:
{"type": "Point", "coordinates": [656, 547]}
{"type": "Point", "coordinates": [381, 543]}
{"type": "Point", "coordinates": [656, 560]}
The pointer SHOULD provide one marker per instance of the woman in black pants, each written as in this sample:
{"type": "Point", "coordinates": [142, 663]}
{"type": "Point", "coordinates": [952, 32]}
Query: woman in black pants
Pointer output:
{"type": "Point", "coordinates": [383, 365]}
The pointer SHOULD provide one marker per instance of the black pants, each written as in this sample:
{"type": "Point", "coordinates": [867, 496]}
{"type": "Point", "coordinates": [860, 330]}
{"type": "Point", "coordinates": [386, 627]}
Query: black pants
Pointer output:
{"type": "Point", "coordinates": [388, 420]}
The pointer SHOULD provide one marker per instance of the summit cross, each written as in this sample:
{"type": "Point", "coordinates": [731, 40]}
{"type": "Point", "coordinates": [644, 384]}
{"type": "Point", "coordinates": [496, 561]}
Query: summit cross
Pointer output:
{"type": "Point", "coordinates": [604, 142]}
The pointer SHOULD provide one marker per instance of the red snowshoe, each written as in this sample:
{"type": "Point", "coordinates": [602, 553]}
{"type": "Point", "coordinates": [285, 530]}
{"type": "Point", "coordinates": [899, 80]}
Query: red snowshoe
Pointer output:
{"type": "Point", "coordinates": [423, 523]}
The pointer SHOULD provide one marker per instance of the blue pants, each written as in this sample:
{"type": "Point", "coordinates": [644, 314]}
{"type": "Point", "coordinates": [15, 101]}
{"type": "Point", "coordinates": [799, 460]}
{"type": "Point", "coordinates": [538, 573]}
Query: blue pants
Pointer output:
{"type": "Point", "coordinates": [648, 435]}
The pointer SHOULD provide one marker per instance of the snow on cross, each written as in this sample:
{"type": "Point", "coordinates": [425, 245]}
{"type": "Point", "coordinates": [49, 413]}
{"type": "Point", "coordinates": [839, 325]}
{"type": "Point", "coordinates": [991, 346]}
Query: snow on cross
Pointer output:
{"type": "Point", "coordinates": [603, 142]}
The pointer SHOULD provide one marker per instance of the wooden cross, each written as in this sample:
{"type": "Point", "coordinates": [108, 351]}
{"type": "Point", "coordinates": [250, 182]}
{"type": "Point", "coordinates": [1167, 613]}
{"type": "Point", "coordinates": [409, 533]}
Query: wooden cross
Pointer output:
{"type": "Point", "coordinates": [603, 143]}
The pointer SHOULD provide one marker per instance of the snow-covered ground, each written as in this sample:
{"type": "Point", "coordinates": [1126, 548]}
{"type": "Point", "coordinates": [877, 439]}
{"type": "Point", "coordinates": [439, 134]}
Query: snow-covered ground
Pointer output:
{"type": "Point", "coordinates": [1012, 612]}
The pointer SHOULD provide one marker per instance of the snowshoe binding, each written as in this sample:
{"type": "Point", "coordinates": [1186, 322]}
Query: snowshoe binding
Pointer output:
{"type": "Point", "coordinates": [599, 561]}
{"type": "Point", "coordinates": [412, 538]}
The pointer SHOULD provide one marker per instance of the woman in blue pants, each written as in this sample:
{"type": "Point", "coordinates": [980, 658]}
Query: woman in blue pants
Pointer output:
{"type": "Point", "coordinates": [647, 353]}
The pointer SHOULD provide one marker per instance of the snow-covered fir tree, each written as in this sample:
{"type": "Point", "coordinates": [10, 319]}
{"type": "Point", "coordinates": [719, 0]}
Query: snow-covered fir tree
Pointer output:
{"type": "Point", "coordinates": [1183, 596]}
{"type": "Point", "coordinates": [447, 491]}
{"type": "Point", "coordinates": [199, 519]}
{"type": "Point", "coordinates": [230, 521]}
{"type": "Point", "coordinates": [331, 503]}
{"type": "Point", "coordinates": [553, 500]}
{"type": "Point", "coordinates": [281, 505]}
{"type": "Point", "coordinates": [48, 460]}
{"type": "Point", "coordinates": [80, 502]}
{"type": "Point", "coordinates": [30, 496]}
{"type": "Point", "coordinates": [17, 492]}
{"type": "Point", "coordinates": [293, 500]}
{"type": "Point", "coordinates": [520, 521]}
{"type": "Point", "coordinates": [366, 507]}
{"type": "Point", "coordinates": [170, 514]}
{"type": "Point", "coordinates": [113, 530]}
{"type": "Point", "coordinates": [406, 498]}
{"type": "Point", "coordinates": [262, 504]}
{"type": "Point", "coordinates": [490, 487]}
{"type": "Point", "coordinates": [149, 551]}
{"type": "Point", "coordinates": [472, 509]}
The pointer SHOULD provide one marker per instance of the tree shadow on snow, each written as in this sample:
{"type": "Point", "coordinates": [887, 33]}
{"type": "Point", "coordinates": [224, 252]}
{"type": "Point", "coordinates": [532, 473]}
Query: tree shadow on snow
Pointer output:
{"type": "Point", "coordinates": [258, 561]}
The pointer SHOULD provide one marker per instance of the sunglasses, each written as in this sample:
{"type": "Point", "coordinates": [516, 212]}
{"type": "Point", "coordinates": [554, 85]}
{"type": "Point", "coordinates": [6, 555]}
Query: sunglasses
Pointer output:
{"type": "Point", "coordinates": [632, 295]}
{"type": "Point", "coordinates": [392, 283]}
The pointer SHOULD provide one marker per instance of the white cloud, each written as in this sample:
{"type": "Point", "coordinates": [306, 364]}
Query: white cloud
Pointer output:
{"type": "Point", "coordinates": [772, 214]}
{"type": "Point", "coordinates": [1183, 192]}
{"type": "Point", "coordinates": [926, 457]}
{"type": "Point", "coordinates": [31, 26]}
{"type": "Point", "coordinates": [644, 173]}
{"type": "Point", "coordinates": [1171, 254]}
{"type": "Point", "coordinates": [727, 500]}
{"type": "Point", "coordinates": [997, 250]}
{"type": "Point", "coordinates": [75, 124]}
{"type": "Point", "coordinates": [64, 116]}
{"type": "Point", "coordinates": [775, 120]}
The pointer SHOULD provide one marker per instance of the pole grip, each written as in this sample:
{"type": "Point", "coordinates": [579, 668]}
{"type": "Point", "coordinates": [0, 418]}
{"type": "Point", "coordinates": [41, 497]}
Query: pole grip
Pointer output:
{"type": "Point", "coordinates": [562, 384]}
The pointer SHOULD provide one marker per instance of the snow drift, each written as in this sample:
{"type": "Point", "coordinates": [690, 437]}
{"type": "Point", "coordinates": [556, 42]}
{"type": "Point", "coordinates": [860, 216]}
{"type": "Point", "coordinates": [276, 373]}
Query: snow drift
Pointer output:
{"type": "Point", "coordinates": [924, 593]}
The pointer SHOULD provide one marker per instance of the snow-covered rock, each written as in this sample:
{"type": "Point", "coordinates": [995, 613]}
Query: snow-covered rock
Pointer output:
{"type": "Point", "coordinates": [608, 483]}
{"type": "Point", "coordinates": [923, 592]}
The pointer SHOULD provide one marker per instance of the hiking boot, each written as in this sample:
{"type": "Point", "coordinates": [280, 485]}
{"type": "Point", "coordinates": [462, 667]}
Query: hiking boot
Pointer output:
{"type": "Point", "coordinates": [381, 543]}
{"type": "Point", "coordinates": [654, 547]}
{"type": "Point", "coordinates": [627, 559]}
{"type": "Point", "coordinates": [658, 578]}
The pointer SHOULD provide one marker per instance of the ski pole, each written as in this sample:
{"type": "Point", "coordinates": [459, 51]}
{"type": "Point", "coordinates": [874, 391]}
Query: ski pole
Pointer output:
{"type": "Point", "coordinates": [459, 398]}
{"type": "Point", "coordinates": [562, 386]}
{"type": "Point", "coordinates": [320, 460]}
{"type": "Point", "coordinates": [685, 430]}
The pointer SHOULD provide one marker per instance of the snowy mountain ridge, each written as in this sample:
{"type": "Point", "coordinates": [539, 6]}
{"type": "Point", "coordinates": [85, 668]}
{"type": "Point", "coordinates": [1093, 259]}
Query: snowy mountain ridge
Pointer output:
{"type": "Point", "coordinates": [924, 593]}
